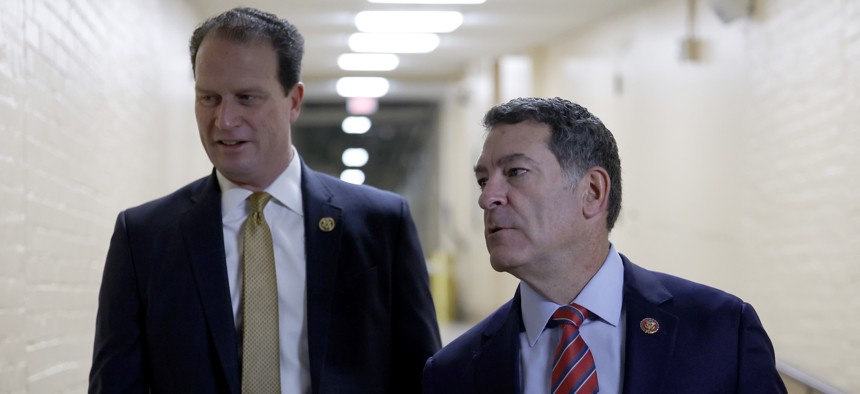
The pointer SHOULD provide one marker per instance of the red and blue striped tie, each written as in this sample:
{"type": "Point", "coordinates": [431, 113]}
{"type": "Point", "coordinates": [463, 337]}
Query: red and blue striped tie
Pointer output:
{"type": "Point", "coordinates": [573, 366]}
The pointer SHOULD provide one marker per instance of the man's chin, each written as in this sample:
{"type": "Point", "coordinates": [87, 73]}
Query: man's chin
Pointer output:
{"type": "Point", "coordinates": [502, 264]}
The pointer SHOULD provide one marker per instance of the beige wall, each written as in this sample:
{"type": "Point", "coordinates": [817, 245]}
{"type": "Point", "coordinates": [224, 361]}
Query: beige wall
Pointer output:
{"type": "Point", "coordinates": [96, 114]}
{"type": "Point", "coordinates": [741, 169]}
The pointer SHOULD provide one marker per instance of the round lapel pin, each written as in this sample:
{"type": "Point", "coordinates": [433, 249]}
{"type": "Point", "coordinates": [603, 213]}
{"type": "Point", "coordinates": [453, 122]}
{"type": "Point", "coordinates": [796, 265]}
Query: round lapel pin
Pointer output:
{"type": "Point", "coordinates": [327, 224]}
{"type": "Point", "coordinates": [649, 325]}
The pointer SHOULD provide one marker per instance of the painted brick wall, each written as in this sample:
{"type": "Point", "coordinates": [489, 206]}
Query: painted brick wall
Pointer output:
{"type": "Point", "coordinates": [96, 114]}
{"type": "Point", "coordinates": [802, 224]}
{"type": "Point", "coordinates": [742, 168]}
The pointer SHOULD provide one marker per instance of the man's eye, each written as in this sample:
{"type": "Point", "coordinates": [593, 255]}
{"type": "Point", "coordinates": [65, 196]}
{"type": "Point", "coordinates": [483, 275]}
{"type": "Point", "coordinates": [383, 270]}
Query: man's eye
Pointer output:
{"type": "Point", "coordinates": [247, 98]}
{"type": "Point", "coordinates": [516, 172]}
{"type": "Point", "coordinates": [206, 99]}
{"type": "Point", "coordinates": [482, 182]}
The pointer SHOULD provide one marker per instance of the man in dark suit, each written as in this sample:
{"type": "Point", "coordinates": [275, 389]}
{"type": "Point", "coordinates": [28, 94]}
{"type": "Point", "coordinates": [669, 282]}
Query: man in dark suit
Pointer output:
{"type": "Point", "coordinates": [352, 299]}
{"type": "Point", "coordinates": [585, 318]}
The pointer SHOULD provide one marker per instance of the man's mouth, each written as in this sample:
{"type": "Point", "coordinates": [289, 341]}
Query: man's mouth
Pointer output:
{"type": "Point", "coordinates": [495, 229]}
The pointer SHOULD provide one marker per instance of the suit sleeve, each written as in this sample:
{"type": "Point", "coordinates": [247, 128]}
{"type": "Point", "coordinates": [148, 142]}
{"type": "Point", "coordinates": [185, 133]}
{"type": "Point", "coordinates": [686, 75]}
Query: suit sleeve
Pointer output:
{"type": "Point", "coordinates": [118, 354]}
{"type": "Point", "coordinates": [427, 383]}
{"type": "Point", "coordinates": [757, 362]}
{"type": "Point", "coordinates": [415, 329]}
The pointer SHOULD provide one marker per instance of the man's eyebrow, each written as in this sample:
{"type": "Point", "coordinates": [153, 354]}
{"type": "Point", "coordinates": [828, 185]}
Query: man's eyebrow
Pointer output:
{"type": "Point", "coordinates": [505, 160]}
{"type": "Point", "coordinates": [245, 90]}
{"type": "Point", "coordinates": [198, 89]}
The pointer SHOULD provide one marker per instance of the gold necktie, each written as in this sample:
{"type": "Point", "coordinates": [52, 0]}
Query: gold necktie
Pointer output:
{"type": "Point", "coordinates": [261, 372]}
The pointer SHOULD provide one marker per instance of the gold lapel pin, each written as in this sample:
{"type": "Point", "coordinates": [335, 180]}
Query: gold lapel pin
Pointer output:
{"type": "Point", "coordinates": [649, 325]}
{"type": "Point", "coordinates": [327, 224]}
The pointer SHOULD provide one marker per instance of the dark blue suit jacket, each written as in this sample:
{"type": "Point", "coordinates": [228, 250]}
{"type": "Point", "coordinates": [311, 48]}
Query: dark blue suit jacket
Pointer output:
{"type": "Point", "coordinates": [708, 342]}
{"type": "Point", "coordinates": [165, 321]}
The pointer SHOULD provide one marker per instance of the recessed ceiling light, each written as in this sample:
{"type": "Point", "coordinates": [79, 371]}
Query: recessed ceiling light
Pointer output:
{"type": "Point", "coordinates": [367, 61]}
{"type": "Point", "coordinates": [393, 42]}
{"type": "Point", "coordinates": [408, 21]}
{"type": "Point", "coordinates": [355, 157]}
{"type": "Point", "coordinates": [353, 176]}
{"type": "Point", "coordinates": [428, 1]}
{"type": "Point", "coordinates": [362, 86]}
{"type": "Point", "coordinates": [355, 124]}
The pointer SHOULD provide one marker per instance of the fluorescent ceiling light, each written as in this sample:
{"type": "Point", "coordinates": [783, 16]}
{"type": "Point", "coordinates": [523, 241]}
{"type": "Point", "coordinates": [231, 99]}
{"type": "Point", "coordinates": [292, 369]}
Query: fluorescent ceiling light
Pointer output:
{"type": "Point", "coordinates": [367, 61]}
{"type": "Point", "coordinates": [427, 1]}
{"type": "Point", "coordinates": [352, 176]}
{"type": "Point", "coordinates": [355, 157]}
{"type": "Point", "coordinates": [393, 42]}
{"type": "Point", "coordinates": [362, 87]}
{"type": "Point", "coordinates": [355, 124]}
{"type": "Point", "coordinates": [408, 21]}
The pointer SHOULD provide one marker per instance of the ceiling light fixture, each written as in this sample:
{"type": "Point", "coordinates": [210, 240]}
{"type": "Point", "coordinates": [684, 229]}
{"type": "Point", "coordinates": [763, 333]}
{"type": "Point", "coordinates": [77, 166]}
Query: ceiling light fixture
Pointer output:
{"type": "Point", "coordinates": [352, 176]}
{"type": "Point", "coordinates": [355, 124]}
{"type": "Point", "coordinates": [368, 61]}
{"type": "Point", "coordinates": [362, 86]}
{"type": "Point", "coordinates": [408, 21]}
{"type": "Point", "coordinates": [393, 42]}
{"type": "Point", "coordinates": [355, 157]}
{"type": "Point", "coordinates": [427, 1]}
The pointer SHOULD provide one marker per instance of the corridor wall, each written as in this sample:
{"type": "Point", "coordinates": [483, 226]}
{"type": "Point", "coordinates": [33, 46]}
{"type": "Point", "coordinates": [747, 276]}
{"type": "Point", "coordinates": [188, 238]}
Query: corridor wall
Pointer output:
{"type": "Point", "coordinates": [96, 115]}
{"type": "Point", "coordinates": [740, 157]}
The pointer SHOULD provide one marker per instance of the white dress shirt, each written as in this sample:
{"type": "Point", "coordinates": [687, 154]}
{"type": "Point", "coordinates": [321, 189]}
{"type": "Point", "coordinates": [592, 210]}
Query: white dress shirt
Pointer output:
{"type": "Point", "coordinates": [284, 214]}
{"type": "Point", "coordinates": [603, 330]}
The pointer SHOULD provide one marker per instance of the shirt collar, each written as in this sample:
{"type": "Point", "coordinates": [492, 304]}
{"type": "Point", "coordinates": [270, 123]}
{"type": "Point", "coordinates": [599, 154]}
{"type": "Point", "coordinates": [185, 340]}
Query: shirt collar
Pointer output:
{"type": "Point", "coordinates": [602, 296]}
{"type": "Point", "coordinates": [286, 189]}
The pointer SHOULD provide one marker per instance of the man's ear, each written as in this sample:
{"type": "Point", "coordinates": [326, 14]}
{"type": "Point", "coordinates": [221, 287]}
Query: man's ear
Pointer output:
{"type": "Point", "coordinates": [295, 95]}
{"type": "Point", "coordinates": [595, 198]}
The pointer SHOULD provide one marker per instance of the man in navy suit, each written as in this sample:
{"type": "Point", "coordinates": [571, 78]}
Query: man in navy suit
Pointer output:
{"type": "Point", "coordinates": [550, 179]}
{"type": "Point", "coordinates": [354, 307]}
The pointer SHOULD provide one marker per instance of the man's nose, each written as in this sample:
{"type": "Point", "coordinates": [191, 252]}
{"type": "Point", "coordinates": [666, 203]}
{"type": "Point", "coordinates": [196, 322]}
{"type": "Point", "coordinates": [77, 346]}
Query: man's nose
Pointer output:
{"type": "Point", "coordinates": [494, 194]}
{"type": "Point", "coordinates": [227, 115]}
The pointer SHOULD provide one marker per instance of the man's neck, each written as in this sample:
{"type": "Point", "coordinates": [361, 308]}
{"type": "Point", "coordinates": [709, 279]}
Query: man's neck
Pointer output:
{"type": "Point", "coordinates": [563, 280]}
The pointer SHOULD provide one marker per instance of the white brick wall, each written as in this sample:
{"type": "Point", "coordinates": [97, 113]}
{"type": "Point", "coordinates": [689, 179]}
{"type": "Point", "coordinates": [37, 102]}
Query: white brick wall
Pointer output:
{"type": "Point", "coordinates": [742, 170]}
{"type": "Point", "coordinates": [803, 150]}
{"type": "Point", "coordinates": [96, 114]}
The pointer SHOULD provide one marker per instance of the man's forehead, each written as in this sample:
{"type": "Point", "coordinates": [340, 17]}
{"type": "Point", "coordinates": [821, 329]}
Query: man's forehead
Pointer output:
{"type": "Point", "coordinates": [237, 37]}
{"type": "Point", "coordinates": [515, 143]}
{"type": "Point", "coordinates": [505, 139]}
{"type": "Point", "coordinates": [250, 61]}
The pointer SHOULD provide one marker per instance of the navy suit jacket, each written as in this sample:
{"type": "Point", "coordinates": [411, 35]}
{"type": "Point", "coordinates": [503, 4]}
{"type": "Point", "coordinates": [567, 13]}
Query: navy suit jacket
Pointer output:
{"type": "Point", "coordinates": [708, 342]}
{"type": "Point", "coordinates": [165, 320]}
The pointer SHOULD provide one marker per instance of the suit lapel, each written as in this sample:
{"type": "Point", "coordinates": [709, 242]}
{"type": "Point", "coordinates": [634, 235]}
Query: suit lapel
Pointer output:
{"type": "Point", "coordinates": [647, 355]}
{"type": "Point", "coordinates": [202, 231]}
{"type": "Point", "coordinates": [497, 362]}
{"type": "Point", "coordinates": [322, 251]}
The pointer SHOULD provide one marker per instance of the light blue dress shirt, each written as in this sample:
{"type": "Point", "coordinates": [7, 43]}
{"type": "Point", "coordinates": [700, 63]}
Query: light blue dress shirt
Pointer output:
{"type": "Point", "coordinates": [603, 331]}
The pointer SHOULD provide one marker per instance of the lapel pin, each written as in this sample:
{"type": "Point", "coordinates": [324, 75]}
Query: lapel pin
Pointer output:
{"type": "Point", "coordinates": [327, 224]}
{"type": "Point", "coordinates": [649, 325]}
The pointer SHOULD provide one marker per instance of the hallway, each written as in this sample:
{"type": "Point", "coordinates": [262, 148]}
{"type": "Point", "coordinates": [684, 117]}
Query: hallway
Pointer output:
{"type": "Point", "coordinates": [739, 142]}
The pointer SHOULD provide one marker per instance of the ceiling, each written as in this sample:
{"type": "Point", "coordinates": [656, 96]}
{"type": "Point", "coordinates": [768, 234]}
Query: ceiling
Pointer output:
{"type": "Point", "coordinates": [493, 28]}
{"type": "Point", "coordinates": [404, 127]}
